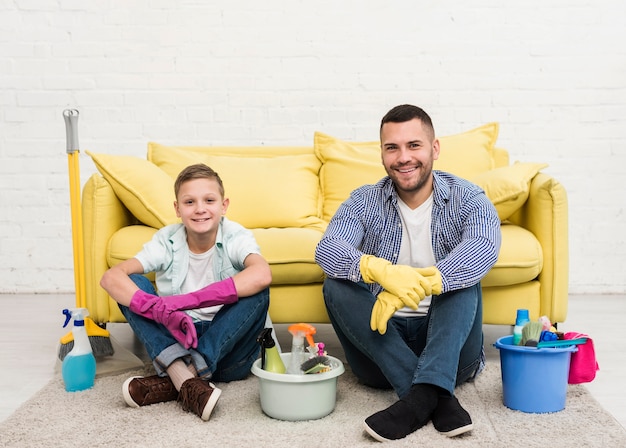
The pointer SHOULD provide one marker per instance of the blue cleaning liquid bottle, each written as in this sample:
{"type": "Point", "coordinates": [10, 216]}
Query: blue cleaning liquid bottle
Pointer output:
{"type": "Point", "coordinates": [79, 365]}
{"type": "Point", "coordinates": [521, 319]}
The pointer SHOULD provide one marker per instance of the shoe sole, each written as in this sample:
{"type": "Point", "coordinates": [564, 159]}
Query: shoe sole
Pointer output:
{"type": "Point", "coordinates": [208, 408]}
{"type": "Point", "coordinates": [458, 431]}
{"type": "Point", "coordinates": [374, 434]}
{"type": "Point", "coordinates": [127, 398]}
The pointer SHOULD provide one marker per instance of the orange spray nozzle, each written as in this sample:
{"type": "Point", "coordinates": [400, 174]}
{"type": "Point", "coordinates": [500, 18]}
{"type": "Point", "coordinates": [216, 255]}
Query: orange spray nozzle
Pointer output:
{"type": "Point", "coordinates": [302, 329]}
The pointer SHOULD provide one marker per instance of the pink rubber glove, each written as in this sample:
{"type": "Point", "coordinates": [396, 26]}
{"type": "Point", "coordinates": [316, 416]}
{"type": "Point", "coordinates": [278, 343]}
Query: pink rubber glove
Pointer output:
{"type": "Point", "coordinates": [218, 293]}
{"type": "Point", "coordinates": [179, 324]}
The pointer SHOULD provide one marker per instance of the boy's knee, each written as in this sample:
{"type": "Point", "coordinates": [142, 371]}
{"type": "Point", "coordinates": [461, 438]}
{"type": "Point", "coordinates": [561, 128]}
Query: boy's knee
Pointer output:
{"type": "Point", "coordinates": [143, 283]}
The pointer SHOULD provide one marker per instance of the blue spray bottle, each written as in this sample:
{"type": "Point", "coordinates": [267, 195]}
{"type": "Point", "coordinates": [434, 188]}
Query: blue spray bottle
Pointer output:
{"type": "Point", "coordinates": [79, 365]}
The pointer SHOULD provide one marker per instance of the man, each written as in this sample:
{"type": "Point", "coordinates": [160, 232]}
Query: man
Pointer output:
{"type": "Point", "coordinates": [404, 259]}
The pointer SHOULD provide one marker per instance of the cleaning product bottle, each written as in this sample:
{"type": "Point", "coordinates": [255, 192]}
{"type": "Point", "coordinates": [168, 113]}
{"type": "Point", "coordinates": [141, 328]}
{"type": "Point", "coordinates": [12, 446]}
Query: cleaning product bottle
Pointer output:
{"type": "Point", "coordinates": [521, 320]}
{"type": "Point", "coordinates": [299, 332]}
{"type": "Point", "coordinates": [79, 365]}
{"type": "Point", "coordinates": [270, 358]}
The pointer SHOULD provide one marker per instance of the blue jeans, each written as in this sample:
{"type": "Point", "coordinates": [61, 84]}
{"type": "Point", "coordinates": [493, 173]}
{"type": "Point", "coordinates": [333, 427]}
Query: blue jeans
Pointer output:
{"type": "Point", "coordinates": [227, 345]}
{"type": "Point", "coordinates": [442, 348]}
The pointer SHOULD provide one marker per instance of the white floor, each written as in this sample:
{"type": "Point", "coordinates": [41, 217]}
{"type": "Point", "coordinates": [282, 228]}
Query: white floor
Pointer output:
{"type": "Point", "coordinates": [31, 326]}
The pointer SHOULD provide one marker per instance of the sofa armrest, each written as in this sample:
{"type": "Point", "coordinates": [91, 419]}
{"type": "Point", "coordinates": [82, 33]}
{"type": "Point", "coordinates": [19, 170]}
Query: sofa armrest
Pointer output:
{"type": "Point", "coordinates": [103, 215]}
{"type": "Point", "coordinates": [545, 214]}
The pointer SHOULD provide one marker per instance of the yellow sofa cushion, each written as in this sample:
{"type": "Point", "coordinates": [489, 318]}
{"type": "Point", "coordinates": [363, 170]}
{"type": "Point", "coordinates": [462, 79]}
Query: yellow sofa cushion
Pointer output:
{"type": "Point", "coordinates": [291, 254]}
{"type": "Point", "coordinates": [508, 187]}
{"type": "Point", "coordinates": [345, 166]}
{"type": "Point", "coordinates": [145, 189]}
{"type": "Point", "coordinates": [348, 165]}
{"type": "Point", "coordinates": [281, 191]}
{"type": "Point", "coordinates": [469, 153]}
{"type": "Point", "coordinates": [520, 259]}
{"type": "Point", "coordinates": [158, 152]}
{"type": "Point", "coordinates": [128, 242]}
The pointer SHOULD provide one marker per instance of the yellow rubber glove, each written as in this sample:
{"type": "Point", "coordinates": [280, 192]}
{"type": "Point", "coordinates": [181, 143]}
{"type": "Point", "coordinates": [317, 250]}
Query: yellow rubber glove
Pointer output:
{"type": "Point", "coordinates": [400, 280]}
{"type": "Point", "coordinates": [433, 275]}
{"type": "Point", "coordinates": [385, 306]}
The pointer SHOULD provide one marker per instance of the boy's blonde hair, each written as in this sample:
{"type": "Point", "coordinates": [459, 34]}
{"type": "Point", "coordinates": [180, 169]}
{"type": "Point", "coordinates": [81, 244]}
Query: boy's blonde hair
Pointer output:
{"type": "Point", "coordinates": [197, 171]}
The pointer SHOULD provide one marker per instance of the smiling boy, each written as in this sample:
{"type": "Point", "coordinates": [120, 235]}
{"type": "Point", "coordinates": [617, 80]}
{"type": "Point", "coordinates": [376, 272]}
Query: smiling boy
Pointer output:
{"type": "Point", "coordinates": [212, 300]}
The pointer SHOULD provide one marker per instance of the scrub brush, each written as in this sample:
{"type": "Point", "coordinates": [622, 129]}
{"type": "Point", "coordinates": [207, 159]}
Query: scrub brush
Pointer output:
{"type": "Point", "coordinates": [318, 363]}
{"type": "Point", "coordinates": [531, 334]}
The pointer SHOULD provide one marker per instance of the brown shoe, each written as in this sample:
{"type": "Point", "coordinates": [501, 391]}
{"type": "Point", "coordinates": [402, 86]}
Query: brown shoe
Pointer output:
{"type": "Point", "coordinates": [143, 391]}
{"type": "Point", "coordinates": [199, 396]}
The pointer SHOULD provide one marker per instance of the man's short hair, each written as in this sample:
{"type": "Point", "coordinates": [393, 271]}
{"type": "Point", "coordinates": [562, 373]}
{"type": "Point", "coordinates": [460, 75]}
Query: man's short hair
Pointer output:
{"type": "Point", "coordinates": [408, 112]}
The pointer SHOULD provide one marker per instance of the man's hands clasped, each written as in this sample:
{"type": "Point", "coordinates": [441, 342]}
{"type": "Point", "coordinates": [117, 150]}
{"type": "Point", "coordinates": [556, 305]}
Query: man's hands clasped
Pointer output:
{"type": "Point", "coordinates": [400, 280]}
{"type": "Point", "coordinates": [404, 286]}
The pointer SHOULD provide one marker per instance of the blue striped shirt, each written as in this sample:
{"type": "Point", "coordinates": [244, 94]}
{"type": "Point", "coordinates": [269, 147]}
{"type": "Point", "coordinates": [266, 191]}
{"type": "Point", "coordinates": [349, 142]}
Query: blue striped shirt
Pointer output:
{"type": "Point", "coordinates": [465, 232]}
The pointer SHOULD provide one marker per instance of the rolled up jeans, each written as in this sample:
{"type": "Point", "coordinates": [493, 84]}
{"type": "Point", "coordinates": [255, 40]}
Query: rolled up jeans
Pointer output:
{"type": "Point", "coordinates": [227, 345]}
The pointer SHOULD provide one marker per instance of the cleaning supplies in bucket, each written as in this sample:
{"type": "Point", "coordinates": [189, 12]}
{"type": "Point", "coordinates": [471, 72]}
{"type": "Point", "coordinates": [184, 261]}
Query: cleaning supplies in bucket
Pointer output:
{"type": "Point", "coordinates": [302, 361]}
{"type": "Point", "coordinates": [79, 365]}
{"type": "Point", "coordinates": [534, 379]}
{"type": "Point", "coordinates": [310, 391]}
{"type": "Point", "coordinates": [298, 397]}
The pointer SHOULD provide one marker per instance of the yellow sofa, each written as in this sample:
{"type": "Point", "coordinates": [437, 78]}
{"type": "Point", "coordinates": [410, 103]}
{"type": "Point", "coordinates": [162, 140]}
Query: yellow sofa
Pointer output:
{"type": "Point", "coordinates": [286, 195]}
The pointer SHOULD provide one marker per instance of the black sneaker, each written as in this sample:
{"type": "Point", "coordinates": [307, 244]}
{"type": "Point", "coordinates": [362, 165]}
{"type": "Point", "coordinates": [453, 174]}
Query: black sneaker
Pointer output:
{"type": "Point", "coordinates": [450, 418]}
{"type": "Point", "coordinates": [199, 396]}
{"type": "Point", "coordinates": [405, 416]}
{"type": "Point", "coordinates": [144, 391]}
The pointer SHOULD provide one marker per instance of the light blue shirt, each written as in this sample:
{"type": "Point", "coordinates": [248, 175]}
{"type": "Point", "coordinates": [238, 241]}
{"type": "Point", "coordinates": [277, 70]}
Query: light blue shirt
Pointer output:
{"type": "Point", "coordinates": [465, 232]}
{"type": "Point", "coordinates": [167, 254]}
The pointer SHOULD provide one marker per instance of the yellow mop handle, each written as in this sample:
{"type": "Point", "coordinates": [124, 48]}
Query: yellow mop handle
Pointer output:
{"type": "Point", "coordinates": [71, 120]}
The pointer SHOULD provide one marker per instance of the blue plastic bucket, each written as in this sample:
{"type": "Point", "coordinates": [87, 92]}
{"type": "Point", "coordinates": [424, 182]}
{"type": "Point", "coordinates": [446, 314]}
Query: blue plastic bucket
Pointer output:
{"type": "Point", "coordinates": [534, 379]}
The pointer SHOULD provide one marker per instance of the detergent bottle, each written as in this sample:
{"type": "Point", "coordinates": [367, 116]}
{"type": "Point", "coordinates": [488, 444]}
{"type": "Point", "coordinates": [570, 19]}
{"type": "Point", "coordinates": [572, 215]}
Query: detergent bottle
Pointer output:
{"type": "Point", "coordinates": [79, 365]}
{"type": "Point", "coordinates": [521, 319]}
{"type": "Point", "coordinates": [299, 332]}
{"type": "Point", "coordinates": [270, 358]}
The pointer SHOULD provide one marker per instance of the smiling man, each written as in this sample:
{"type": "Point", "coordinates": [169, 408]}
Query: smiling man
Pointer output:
{"type": "Point", "coordinates": [404, 259]}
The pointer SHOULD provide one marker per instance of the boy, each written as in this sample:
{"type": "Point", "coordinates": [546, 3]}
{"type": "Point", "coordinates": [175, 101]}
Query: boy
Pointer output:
{"type": "Point", "coordinates": [212, 299]}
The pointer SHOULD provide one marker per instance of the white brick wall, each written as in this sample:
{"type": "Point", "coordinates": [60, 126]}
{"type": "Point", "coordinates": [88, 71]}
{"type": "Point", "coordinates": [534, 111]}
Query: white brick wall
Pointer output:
{"type": "Point", "coordinates": [273, 72]}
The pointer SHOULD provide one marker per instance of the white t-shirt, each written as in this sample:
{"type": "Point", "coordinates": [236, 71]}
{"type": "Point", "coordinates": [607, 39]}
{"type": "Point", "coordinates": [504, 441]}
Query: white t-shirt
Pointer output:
{"type": "Point", "coordinates": [199, 275]}
{"type": "Point", "coordinates": [416, 247]}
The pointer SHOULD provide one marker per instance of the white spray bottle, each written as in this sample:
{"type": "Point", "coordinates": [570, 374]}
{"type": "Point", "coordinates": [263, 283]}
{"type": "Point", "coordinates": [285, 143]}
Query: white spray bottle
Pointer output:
{"type": "Point", "coordinates": [299, 331]}
{"type": "Point", "coordinates": [79, 365]}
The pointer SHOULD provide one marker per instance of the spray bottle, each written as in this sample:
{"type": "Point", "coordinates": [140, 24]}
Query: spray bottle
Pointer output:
{"type": "Point", "coordinates": [299, 332]}
{"type": "Point", "coordinates": [270, 358]}
{"type": "Point", "coordinates": [79, 365]}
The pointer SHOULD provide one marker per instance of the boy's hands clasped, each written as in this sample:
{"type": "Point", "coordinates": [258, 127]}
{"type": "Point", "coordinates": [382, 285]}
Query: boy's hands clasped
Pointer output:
{"type": "Point", "coordinates": [404, 286]}
{"type": "Point", "coordinates": [168, 310]}
{"type": "Point", "coordinates": [179, 323]}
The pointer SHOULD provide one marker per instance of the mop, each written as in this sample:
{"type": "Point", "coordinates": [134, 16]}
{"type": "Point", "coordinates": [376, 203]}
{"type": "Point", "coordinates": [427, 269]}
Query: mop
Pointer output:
{"type": "Point", "coordinates": [99, 338]}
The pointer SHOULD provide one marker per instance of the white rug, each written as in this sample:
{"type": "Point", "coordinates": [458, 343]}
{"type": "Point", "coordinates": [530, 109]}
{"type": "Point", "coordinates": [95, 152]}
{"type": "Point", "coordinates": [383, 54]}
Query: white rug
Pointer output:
{"type": "Point", "coordinates": [100, 418]}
